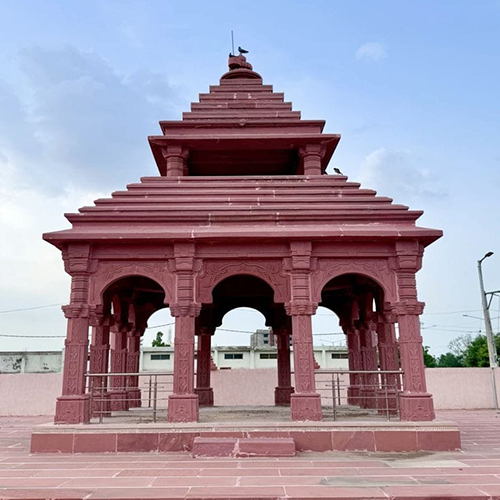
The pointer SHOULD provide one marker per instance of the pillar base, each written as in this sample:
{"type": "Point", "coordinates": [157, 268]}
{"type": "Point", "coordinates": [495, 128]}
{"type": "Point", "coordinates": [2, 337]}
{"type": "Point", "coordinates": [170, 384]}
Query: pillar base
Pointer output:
{"type": "Point", "coordinates": [183, 408]}
{"type": "Point", "coordinates": [134, 398]}
{"type": "Point", "coordinates": [282, 395]}
{"type": "Point", "coordinates": [205, 396]}
{"type": "Point", "coordinates": [101, 404]}
{"type": "Point", "coordinates": [367, 398]}
{"type": "Point", "coordinates": [306, 406]}
{"type": "Point", "coordinates": [387, 402]}
{"type": "Point", "coordinates": [416, 407]}
{"type": "Point", "coordinates": [118, 401]}
{"type": "Point", "coordinates": [73, 410]}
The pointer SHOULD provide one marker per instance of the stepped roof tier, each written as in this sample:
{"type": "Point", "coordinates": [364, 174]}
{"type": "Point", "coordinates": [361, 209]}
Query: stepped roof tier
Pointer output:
{"type": "Point", "coordinates": [241, 158]}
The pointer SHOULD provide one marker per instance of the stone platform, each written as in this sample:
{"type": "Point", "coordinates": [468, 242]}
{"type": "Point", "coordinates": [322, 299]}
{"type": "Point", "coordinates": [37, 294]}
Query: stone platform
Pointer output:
{"type": "Point", "coordinates": [353, 434]}
{"type": "Point", "coordinates": [470, 474]}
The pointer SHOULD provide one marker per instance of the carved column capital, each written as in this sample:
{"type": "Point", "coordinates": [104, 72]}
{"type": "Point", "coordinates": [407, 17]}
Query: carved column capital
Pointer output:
{"type": "Point", "coordinates": [185, 309]}
{"type": "Point", "coordinates": [176, 160]}
{"type": "Point", "coordinates": [311, 156]}
{"type": "Point", "coordinates": [73, 311]}
{"type": "Point", "coordinates": [409, 307]}
{"type": "Point", "coordinates": [298, 307]}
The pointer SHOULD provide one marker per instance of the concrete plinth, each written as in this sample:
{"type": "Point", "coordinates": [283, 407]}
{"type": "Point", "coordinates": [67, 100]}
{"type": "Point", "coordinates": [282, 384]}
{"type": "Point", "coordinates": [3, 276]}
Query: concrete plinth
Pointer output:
{"type": "Point", "coordinates": [243, 447]}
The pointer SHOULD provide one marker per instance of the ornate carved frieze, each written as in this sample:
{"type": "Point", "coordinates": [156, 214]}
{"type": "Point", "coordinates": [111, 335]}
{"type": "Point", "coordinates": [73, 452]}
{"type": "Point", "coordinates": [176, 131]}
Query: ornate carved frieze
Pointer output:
{"type": "Point", "coordinates": [214, 271]}
{"type": "Point", "coordinates": [377, 269]}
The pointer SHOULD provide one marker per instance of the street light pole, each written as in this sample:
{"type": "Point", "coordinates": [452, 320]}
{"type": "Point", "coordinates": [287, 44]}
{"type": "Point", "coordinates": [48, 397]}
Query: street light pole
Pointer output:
{"type": "Point", "coordinates": [492, 351]}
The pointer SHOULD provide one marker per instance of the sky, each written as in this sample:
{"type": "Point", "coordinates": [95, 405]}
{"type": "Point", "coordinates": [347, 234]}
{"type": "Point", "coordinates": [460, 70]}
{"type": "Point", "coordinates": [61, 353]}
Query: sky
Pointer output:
{"type": "Point", "coordinates": [411, 86]}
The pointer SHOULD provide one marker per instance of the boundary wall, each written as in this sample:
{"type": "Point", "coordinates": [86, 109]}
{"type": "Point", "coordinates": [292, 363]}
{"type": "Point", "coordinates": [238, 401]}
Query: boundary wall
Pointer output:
{"type": "Point", "coordinates": [452, 388]}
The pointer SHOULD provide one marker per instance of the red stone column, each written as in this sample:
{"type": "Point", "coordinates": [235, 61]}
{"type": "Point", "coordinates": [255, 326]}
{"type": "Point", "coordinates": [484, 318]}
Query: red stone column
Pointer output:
{"type": "Point", "coordinates": [176, 158]}
{"type": "Point", "coordinates": [311, 155]}
{"type": "Point", "coordinates": [73, 406]}
{"type": "Point", "coordinates": [284, 390]}
{"type": "Point", "coordinates": [183, 402]}
{"type": "Point", "coordinates": [99, 360]}
{"type": "Point", "coordinates": [203, 365]}
{"type": "Point", "coordinates": [354, 353]}
{"type": "Point", "coordinates": [369, 362]}
{"type": "Point", "coordinates": [118, 391]}
{"type": "Point", "coordinates": [389, 361]}
{"type": "Point", "coordinates": [183, 405]}
{"type": "Point", "coordinates": [132, 381]}
{"type": "Point", "coordinates": [305, 401]}
{"type": "Point", "coordinates": [415, 402]}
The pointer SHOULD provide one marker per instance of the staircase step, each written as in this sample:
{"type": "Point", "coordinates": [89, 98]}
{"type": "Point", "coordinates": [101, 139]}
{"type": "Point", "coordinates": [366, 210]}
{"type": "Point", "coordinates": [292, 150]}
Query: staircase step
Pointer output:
{"type": "Point", "coordinates": [243, 447]}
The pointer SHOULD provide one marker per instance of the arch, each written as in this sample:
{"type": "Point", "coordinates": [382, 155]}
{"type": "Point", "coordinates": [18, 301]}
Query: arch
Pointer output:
{"type": "Point", "coordinates": [107, 273]}
{"type": "Point", "coordinates": [133, 299]}
{"type": "Point", "coordinates": [353, 294]}
{"type": "Point", "coordinates": [215, 272]}
{"type": "Point", "coordinates": [377, 270]}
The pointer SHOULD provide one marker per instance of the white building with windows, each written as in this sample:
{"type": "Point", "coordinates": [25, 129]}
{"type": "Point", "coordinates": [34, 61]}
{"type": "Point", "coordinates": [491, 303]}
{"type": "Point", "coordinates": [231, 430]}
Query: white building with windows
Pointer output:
{"type": "Point", "coordinates": [234, 357]}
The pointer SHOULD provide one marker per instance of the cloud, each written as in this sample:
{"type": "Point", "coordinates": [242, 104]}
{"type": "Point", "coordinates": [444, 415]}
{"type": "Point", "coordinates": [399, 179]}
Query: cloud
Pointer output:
{"type": "Point", "coordinates": [90, 121]}
{"type": "Point", "coordinates": [75, 131]}
{"type": "Point", "coordinates": [393, 173]}
{"type": "Point", "coordinates": [371, 51]}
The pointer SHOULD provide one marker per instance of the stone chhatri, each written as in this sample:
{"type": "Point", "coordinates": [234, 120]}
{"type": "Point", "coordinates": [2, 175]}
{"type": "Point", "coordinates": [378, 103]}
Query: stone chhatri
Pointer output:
{"type": "Point", "coordinates": [243, 214]}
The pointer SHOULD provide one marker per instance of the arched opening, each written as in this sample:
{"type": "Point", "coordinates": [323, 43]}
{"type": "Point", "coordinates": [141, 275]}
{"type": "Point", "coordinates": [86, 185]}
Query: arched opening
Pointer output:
{"type": "Point", "coordinates": [128, 304]}
{"type": "Point", "coordinates": [242, 329]}
{"type": "Point", "coordinates": [358, 301]}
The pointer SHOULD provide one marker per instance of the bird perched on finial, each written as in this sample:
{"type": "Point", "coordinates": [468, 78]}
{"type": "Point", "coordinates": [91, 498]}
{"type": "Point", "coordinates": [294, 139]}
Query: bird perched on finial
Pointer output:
{"type": "Point", "coordinates": [242, 51]}
{"type": "Point", "coordinates": [337, 171]}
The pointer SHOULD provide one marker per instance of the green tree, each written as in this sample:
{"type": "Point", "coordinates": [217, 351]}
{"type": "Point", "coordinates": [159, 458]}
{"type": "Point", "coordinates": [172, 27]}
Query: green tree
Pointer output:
{"type": "Point", "coordinates": [158, 341]}
{"type": "Point", "coordinates": [476, 354]}
{"type": "Point", "coordinates": [429, 359]}
{"type": "Point", "coordinates": [450, 360]}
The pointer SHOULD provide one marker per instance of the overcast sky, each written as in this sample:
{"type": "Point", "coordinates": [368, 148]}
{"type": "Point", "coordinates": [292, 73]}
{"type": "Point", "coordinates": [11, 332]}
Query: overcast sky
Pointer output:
{"type": "Point", "coordinates": [411, 86]}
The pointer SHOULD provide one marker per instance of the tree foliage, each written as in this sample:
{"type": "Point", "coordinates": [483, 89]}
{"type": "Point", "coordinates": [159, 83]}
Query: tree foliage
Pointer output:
{"type": "Point", "coordinates": [158, 341]}
{"type": "Point", "coordinates": [429, 359]}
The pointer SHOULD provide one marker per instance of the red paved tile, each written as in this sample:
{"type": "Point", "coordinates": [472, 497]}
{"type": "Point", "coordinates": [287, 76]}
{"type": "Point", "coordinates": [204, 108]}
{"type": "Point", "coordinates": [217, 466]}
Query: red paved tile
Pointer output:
{"type": "Point", "coordinates": [475, 472]}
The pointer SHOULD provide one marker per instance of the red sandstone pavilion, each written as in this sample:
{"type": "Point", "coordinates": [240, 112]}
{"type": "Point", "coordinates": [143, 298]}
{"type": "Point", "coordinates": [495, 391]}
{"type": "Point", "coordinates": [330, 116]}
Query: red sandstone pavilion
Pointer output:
{"type": "Point", "coordinates": [243, 214]}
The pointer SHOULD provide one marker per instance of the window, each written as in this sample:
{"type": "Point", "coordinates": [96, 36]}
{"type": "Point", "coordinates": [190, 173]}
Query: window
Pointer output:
{"type": "Point", "coordinates": [269, 355]}
{"type": "Point", "coordinates": [158, 357]}
{"type": "Point", "coordinates": [340, 355]}
{"type": "Point", "coordinates": [233, 355]}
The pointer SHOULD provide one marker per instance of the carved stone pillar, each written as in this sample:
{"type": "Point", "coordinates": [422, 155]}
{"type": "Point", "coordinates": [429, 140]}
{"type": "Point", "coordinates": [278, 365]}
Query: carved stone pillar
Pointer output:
{"type": "Point", "coordinates": [389, 361]}
{"type": "Point", "coordinates": [176, 158]}
{"type": "Point", "coordinates": [305, 401]}
{"type": "Point", "coordinates": [284, 390]}
{"type": "Point", "coordinates": [203, 366]}
{"type": "Point", "coordinates": [132, 381]}
{"type": "Point", "coordinates": [311, 155]}
{"type": "Point", "coordinates": [118, 390]}
{"type": "Point", "coordinates": [354, 353]}
{"type": "Point", "coordinates": [73, 406]}
{"type": "Point", "coordinates": [99, 360]}
{"type": "Point", "coordinates": [415, 402]}
{"type": "Point", "coordinates": [183, 405]}
{"type": "Point", "coordinates": [370, 383]}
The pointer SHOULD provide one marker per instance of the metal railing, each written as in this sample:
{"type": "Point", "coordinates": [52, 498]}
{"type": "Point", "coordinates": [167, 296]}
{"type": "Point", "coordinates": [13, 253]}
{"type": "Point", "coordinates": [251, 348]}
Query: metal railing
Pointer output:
{"type": "Point", "coordinates": [148, 395]}
{"type": "Point", "coordinates": [354, 393]}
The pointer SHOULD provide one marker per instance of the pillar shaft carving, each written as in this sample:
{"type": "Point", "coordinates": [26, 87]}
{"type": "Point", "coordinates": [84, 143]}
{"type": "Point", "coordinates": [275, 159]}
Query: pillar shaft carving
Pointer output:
{"type": "Point", "coordinates": [183, 402]}
{"type": "Point", "coordinates": [73, 406]}
{"type": "Point", "coordinates": [305, 402]}
{"type": "Point", "coordinates": [203, 366]}
{"type": "Point", "coordinates": [415, 402]}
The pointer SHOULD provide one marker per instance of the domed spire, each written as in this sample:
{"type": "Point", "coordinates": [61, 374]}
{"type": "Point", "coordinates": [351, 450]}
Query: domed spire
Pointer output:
{"type": "Point", "coordinates": [239, 67]}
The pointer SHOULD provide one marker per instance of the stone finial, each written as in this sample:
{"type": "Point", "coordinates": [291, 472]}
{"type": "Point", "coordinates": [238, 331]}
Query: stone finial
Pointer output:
{"type": "Point", "coordinates": [238, 62]}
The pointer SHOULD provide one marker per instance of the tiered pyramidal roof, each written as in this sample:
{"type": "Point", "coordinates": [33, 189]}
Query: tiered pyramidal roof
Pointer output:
{"type": "Point", "coordinates": [243, 158]}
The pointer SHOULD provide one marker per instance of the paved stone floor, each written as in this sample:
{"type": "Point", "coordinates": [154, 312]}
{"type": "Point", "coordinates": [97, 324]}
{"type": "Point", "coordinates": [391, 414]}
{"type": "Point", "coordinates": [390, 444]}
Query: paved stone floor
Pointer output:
{"type": "Point", "coordinates": [473, 473]}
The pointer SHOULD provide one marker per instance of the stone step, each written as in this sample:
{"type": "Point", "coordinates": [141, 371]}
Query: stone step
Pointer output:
{"type": "Point", "coordinates": [243, 447]}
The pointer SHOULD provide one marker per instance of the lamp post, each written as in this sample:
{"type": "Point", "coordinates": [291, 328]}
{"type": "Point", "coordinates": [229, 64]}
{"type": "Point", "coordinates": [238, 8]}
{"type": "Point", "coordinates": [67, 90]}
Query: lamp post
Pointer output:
{"type": "Point", "coordinates": [489, 332]}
